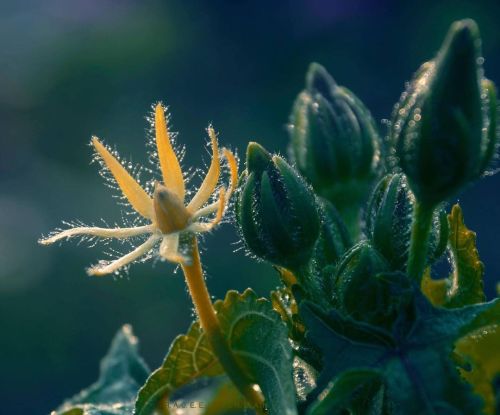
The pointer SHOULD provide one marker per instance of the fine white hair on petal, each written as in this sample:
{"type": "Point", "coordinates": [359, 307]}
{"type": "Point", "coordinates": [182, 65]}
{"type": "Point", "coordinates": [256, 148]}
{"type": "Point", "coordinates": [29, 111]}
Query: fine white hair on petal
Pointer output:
{"type": "Point", "coordinates": [136, 227]}
{"type": "Point", "coordinates": [151, 148]}
{"type": "Point", "coordinates": [136, 170]}
{"type": "Point", "coordinates": [85, 231]}
{"type": "Point", "coordinates": [107, 267]}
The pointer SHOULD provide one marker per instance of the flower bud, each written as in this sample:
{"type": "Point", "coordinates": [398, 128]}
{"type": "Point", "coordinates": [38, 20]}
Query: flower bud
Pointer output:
{"type": "Point", "coordinates": [384, 296]}
{"type": "Point", "coordinates": [441, 127]}
{"type": "Point", "coordinates": [367, 290]}
{"type": "Point", "coordinates": [276, 210]}
{"type": "Point", "coordinates": [333, 140]}
{"type": "Point", "coordinates": [389, 220]}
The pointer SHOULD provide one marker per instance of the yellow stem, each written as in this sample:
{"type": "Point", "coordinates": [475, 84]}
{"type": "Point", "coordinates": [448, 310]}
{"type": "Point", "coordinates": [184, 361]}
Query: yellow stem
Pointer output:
{"type": "Point", "coordinates": [210, 325]}
{"type": "Point", "coordinates": [162, 407]}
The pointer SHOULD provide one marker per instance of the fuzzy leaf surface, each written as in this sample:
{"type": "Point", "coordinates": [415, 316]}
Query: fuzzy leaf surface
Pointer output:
{"type": "Point", "coordinates": [357, 391]}
{"type": "Point", "coordinates": [258, 339]}
{"type": "Point", "coordinates": [414, 357]}
{"type": "Point", "coordinates": [121, 374]}
{"type": "Point", "coordinates": [189, 358]}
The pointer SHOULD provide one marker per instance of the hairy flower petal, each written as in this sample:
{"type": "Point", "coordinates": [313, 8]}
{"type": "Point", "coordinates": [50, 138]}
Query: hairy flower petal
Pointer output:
{"type": "Point", "coordinates": [134, 193]}
{"type": "Point", "coordinates": [233, 171]}
{"type": "Point", "coordinates": [118, 233]}
{"type": "Point", "coordinates": [170, 217]}
{"type": "Point", "coordinates": [205, 227]}
{"type": "Point", "coordinates": [210, 182]}
{"type": "Point", "coordinates": [233, 182]}
{"type": "Point", "coordinates": [169, 163]}
{"type": "Point", "coordinates": [115, 265]}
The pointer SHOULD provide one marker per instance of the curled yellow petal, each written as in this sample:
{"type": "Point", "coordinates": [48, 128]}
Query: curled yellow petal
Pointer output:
{"type": "Point", "coordinates": [210, 182]}
{"type": "Point", "coordinates": [233, 171]}
{"type": "Point", "coordinates": [169, 163]}
{"type": "Point", "coordinates": [205, 227]}
{"type": "Point", "coordinates": [92, 231]}
{"type": "Point", "coordinates": [106, 268]}
{"type": "Point", "coordinates": [134, 193]}
{"type": "Point", "coordinates": [233, 182]}
{"type": "Point", "coordinates": [222, 207]}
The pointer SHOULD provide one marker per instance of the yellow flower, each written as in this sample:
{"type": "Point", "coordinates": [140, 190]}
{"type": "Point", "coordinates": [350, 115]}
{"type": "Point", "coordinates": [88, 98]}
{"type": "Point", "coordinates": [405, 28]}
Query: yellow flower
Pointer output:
{"type": "Point", "coordinates": [168, 214]}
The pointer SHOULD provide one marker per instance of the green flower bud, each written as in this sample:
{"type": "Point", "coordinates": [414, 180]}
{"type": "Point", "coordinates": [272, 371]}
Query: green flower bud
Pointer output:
{"type": "Point", "coordinates": [367, 291]}
{"type": "Point", "coordinates": [389, 220]}
{"type": "Point", "coordinates": [360, 263]}
{"type": "Point", "coordinates": [385, 295]}
{"type": "Point", "coordinates": [444, 127]}
{"type": "Point", "coordinates": [334, 141]}
{"type": "Point", "coordinates": [276, 210]}
{"type": "Point", "coordinates": [334, 239]}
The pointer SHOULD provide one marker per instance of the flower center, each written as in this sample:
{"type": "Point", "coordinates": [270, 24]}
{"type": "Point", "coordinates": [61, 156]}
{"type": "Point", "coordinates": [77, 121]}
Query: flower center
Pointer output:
{"type": "Point", "coordinates": [171, 214]}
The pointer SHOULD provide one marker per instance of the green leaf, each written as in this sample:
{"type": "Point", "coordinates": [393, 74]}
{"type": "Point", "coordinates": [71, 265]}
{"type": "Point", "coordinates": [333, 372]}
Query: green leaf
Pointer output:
{"type": "Point", "coordinates": [414, 358]}
{"type": "Point", "coordinates": [465, 285]}
{"type": "Point", "coordinates": [480, 350]}
{"type": "Point", "coordinates": [468, 270]}
{"type": "Point", "coordinates": [189, 358]}
{"type": "Point", "coordinates": [258, 339]}
{"type": "Point", "coordinates": [434, 290]}
{"type": "Point", "coordinates": [122, 372]}
{"type": "Point", "coordinates": [354, 391]}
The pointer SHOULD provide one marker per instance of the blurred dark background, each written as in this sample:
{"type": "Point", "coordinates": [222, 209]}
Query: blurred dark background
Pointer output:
{"type": "Point", "coordinates": [69, 69]}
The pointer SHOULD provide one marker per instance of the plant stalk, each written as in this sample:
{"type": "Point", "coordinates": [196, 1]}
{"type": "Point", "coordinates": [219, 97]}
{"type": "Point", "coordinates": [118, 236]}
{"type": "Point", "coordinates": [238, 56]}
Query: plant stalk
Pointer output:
{"type": "Point", "coordinates": [210, 325]}
{"type": "Point", "coordinates": [419, 242]}
{"type": "Point", "coordinates": [162, 407]}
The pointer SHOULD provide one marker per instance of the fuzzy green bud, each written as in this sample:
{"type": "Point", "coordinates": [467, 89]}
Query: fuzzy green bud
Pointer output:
{"type": "Point", "coordinates": [358, 265]}
{"type": "Point", "coordinates": [333, 141]}
{"type": "Point", "coordinates": [389, 220]}
{"type": "Point", "coordinates": [366, 289]}
{"type": "Point", "coordinates": [276, 210]}
{"type": "Point", "coordinates": [442, 126]}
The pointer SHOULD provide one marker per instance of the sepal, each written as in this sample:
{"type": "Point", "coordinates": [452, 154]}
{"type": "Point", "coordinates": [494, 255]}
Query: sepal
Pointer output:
{"type": "Point", "coordinates": [334, 142]}
{"type": "Point", "coordinates": [276, 210]}
{"type": "Point", "coordinates": [388, 222]}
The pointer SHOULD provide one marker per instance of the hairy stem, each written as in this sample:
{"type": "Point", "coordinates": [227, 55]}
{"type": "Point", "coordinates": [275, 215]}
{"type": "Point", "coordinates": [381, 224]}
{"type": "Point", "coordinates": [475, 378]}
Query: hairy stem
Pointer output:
{"type": "Point", "coordinates": [210, 325]}
{"type": "Point", "coordinates": [419, 242]}
{"type": "Point", "coordinates": [349, 203]}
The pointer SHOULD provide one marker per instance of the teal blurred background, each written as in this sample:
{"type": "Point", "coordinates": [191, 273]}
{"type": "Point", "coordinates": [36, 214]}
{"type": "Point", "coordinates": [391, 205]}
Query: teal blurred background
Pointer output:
{"type": "Point", "coordinates": [70, 69]}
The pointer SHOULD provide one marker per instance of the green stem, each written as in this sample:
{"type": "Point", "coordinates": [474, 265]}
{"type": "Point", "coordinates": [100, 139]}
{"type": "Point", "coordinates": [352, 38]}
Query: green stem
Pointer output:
{"type": "Point", "coordinates": [419, 242]}
{"type": "Point", "coordinates": [313, 286]}
{"type": "Point", "coordinates": [348, 198]}
{"type": "Point", "coordinates": [210, 325]}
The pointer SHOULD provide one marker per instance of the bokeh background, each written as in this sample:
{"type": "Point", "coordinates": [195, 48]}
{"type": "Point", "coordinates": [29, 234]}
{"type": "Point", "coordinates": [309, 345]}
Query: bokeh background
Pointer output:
{"type": "Point", "coordinates": [69, 69]}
